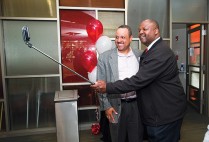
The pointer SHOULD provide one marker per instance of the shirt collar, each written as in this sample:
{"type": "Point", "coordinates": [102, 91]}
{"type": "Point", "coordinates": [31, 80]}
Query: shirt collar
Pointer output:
{"type": "Point", "coordinates": [130, 53]}
{"type": "Point", "coordinates": [153, 43]}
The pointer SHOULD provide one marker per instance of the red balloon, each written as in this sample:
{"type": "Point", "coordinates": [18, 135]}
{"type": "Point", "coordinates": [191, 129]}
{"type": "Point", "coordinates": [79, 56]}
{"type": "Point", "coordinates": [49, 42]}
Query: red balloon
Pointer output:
{"type": "Point", "coordinates": [89, 60]}
{"type": "Point", "coordinates": [94, 29]}
{"type": "Point", "coordinates": [77, 62]}
{"type": "Point", "coordinates": [95, 128]}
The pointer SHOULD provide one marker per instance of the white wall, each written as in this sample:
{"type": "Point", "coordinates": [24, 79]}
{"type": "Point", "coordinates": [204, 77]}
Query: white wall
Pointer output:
{"type": "Point", "coordinates": [179, 48]}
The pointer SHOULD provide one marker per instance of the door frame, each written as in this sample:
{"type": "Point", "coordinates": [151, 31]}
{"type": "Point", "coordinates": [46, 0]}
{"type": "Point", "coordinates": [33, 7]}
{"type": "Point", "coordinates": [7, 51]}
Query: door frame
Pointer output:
{"type": "Point", "coordinates": [205, 98]}
{"type": "Point", "coordinates": [198, 69]}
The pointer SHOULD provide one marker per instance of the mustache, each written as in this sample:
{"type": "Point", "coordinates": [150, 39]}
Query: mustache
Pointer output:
{"type": "Point", "coordinates": [120, 42]}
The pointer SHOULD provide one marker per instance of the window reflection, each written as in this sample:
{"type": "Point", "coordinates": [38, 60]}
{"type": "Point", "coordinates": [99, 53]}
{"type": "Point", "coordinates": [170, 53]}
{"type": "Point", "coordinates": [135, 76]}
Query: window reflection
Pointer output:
{"type": "Point", "coordinates": [194, 50]}
{"type": "Point", "coordinates": [31, 102]}
{"type": "Point", "coordinates": [78, 49]}
{"type": "Point", "coordinates": [29, 8]}
{"type": "Point", "coordinates": [21, 60]}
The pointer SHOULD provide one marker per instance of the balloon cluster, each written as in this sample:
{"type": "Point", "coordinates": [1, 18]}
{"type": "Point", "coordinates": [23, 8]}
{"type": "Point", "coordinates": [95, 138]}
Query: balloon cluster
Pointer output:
{"type": "Point", "coordinates": [94, 29]}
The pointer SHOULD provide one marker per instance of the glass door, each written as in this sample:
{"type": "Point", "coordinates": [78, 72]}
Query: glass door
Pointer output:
{"type": "Point", "coordinates": [195, 73]}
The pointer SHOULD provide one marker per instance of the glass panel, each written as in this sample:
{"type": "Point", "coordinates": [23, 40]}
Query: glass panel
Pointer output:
{"type": "Point", "coordinates": [78, 43]}
{"type": "Point", "coordinates": [194, 69]}
{"type": "Point", "coordinates": [31, 102]}
{"type": "Point", "coordinates": [194, 96]}
{"type": "Point", "coordinates": [93, 3]}
{"type": "Point", "coordinates": [194, 50]}
{"type": "Point", "coordinates": [138, 10]}
{"type": "Point", "coordinates": [195, 79]}
{"type": "Point", "coordinates": [21, 60]}
{"type": "Point", "coordinates": [194, 56]}
{"type": "Point", "coordinates": [189, 10]}
{"type": "Point", "coordinates": [45, 113]}
{"type": "Point", "coordinates": [29, 8]}
{"type": "Point", "coordinates": [87, 96]}
{"type": "Point", "coordinates": [194, 26]}
{"type": "Point", "coordinates": [111, 21]}
{"type": "Point", "coordinates": [195, 37]}
{"type": "Point", "coordinates": [87, 116]}
{"type": "Point", "coordinates": [135, 44]}
{"type": "Point", "coordinates": [168, 42]}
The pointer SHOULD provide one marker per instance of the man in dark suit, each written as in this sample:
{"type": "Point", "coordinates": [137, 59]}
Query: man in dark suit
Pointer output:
{"type": "Point", "coordinates": [161, 98]}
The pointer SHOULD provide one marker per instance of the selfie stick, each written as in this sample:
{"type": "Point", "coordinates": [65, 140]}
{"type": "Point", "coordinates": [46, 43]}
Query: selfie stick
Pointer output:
{"type": "Point", "coordinates": [26, 39]}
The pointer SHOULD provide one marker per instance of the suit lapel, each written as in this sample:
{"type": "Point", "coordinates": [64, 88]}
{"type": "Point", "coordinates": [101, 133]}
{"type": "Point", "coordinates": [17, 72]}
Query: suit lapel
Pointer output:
{"type": "Point", "coordinates": [114, 64]}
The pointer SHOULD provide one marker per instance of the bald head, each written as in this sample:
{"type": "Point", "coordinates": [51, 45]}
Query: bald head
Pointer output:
{"type": "Point", "coordinates": [154, 22]}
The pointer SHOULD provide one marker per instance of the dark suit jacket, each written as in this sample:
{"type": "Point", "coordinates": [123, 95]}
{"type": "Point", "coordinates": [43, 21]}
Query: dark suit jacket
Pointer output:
{"type": "Point", "coordinates": [161, 97]}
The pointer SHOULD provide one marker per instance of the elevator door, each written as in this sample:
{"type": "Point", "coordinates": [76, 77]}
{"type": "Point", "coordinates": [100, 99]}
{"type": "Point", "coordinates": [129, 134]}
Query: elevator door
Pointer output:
{"type": "Point", "coordinates": [195, 73]}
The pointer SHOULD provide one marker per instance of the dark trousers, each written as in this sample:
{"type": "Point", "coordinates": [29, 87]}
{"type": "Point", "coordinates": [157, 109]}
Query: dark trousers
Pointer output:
{"type": "Point", "coordinates": [105, 130]}
{"type": "Point", "coordinates": [165, 133]}
{"type": "Point", "coordinates": [130, 125]}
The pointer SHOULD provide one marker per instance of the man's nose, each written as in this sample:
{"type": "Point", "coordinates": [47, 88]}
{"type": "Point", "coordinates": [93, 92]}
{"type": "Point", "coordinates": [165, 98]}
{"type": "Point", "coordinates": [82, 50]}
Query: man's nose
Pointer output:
{"type": "Point", "coordinates": [119, 39]}
{"type": "Point", "coordinates": [140, 32]}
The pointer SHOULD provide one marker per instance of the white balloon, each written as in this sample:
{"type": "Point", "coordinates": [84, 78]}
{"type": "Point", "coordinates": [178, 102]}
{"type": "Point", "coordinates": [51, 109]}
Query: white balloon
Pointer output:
{"type": "Point", "coordinates": [103, 44]}
{"type": "Point", "coordinates": [92, 75]}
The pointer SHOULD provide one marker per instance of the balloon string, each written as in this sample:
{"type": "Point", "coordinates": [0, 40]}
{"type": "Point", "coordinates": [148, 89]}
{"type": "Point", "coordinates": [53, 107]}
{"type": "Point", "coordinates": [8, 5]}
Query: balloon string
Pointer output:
{"type": "Point", "coordinates": [97, 114]}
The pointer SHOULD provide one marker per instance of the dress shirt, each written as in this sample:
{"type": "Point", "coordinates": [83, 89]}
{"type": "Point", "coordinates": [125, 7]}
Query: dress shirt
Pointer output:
{"type": "Point", "coordinates": [127, 67]}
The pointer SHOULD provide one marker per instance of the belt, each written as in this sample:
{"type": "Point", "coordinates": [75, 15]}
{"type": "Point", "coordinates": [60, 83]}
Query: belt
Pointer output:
{"type": "Point", "coordinates": [128, 100]}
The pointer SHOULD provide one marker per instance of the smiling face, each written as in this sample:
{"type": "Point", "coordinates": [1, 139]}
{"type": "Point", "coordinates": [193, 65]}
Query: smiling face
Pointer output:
{"type": "Point", "coordinates": [123, 40]}
{"type": "Point", "coordinates": [148, 31]}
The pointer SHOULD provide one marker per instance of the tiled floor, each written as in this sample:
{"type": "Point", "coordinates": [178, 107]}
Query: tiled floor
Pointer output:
{"type": "Point", "coordinates": [85, 136]}
{"type": "Point", "coordinates": [193, 130]}
{"type": "Point", "coordinates": [194, 126]}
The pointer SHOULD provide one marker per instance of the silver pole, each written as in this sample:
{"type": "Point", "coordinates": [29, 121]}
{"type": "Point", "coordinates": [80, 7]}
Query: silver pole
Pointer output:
{"type": "Point", "coordinates": [31, 46]}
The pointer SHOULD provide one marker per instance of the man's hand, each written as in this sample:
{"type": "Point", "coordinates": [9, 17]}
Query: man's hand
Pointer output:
{"type": "Point", "coordinates": [109, 114]}
{"type": "Point", "coordinates": [99, 86]}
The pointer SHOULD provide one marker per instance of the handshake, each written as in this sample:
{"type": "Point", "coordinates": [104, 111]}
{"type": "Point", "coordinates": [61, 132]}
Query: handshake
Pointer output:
{"type": "Point", "coordinates": [99, 86]}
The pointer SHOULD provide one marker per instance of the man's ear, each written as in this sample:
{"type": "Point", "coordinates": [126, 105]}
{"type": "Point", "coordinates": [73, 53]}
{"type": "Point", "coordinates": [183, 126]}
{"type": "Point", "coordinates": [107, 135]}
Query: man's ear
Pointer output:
{"type": "Point", "coordinates": [131, 37]}
{"type": "Point", "coordinates": [156, 31]}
